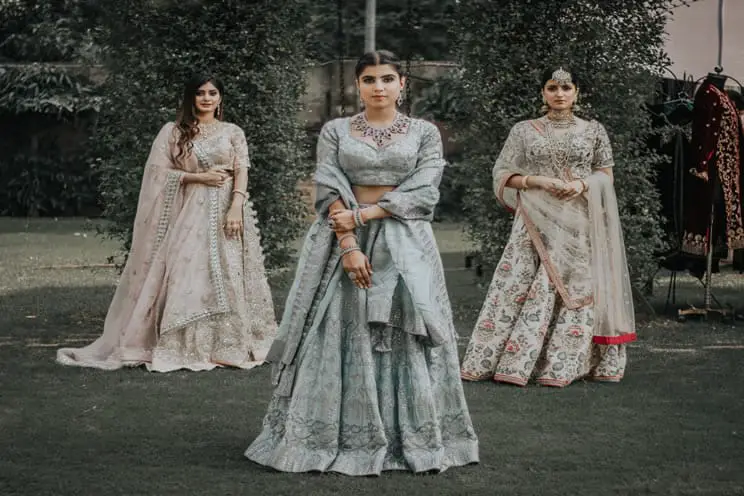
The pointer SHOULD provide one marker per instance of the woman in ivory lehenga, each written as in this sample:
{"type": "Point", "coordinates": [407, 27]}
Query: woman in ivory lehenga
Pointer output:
{"type": "Point", "coordinates": [193, 294]}
{"type": "Point", "coordinates": [559, 307]}
{"type": "Point", "coordinates": [365, 363]}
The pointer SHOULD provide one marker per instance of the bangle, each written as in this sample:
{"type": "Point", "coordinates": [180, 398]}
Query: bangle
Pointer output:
{"type": "Point", "coordinates": [346, 251]}
{"type": "Point", "coordinates": [241, 193]}
{"type": "Point", "coordinates": [525, 186]}
{"type": "Point", "coordinates": [358, 219]}
{"type": "Point", "coordinates": [584, 185]}
{"type": "Point", "coordinates": [347, 235]}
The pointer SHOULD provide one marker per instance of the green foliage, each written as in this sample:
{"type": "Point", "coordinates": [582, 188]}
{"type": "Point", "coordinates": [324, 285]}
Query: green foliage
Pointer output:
{"type": "Point", "coordinates": [442, 102]}
{"type": "Point", "coordinates": [46, 89]}
{"type": "Point", "coordinates": [152, 48]}
{"type": "Point", "coordinates": [416, 29]}
{"type": "Point", "coordinates": [46, 185]}
{"type": "Point", "coordinates": [616, 47]}
{"type": "Point", "coordinates": [42, 30]}
{"type": "Point", "coordinates": [45, 97]}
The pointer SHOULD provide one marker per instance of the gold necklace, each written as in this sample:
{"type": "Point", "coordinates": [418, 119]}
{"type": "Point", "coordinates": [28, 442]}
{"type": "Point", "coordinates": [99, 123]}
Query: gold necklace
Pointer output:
{"type": "Point", "coordinates": [560, 155]}
{"type": "Point", "coordinates": [208, 130]}
{"type": "Point", "coordinates": [562, 120]}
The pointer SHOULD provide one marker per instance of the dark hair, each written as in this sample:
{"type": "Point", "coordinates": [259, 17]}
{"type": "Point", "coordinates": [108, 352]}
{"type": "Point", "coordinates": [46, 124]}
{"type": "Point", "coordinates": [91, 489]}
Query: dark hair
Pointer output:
{"type": "Point", "coordinates": [378, 57]}
{"type": "Point", "coordinates": [186, 121]}
{"type": "Point", "coordinates": [547, 75]}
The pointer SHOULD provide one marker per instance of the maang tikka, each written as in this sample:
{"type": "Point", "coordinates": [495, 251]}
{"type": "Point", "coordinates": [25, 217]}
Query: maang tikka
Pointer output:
{"type": "Point", "coordinates": [562, 76]}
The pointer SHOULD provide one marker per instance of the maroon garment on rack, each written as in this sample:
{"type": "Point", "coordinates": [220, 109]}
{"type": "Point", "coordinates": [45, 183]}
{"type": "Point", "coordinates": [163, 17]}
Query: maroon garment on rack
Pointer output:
{"type": "Point", "coordinates": [714, 154]}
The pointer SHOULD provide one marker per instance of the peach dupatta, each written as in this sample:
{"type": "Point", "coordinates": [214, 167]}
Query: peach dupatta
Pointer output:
{"type": "Point", "coordinates": [171, 226]}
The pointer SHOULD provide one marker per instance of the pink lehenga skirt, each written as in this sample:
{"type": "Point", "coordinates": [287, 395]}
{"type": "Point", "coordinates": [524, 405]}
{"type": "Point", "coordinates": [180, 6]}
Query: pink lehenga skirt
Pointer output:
{"type": "Point", "coordinates": [191, 299]}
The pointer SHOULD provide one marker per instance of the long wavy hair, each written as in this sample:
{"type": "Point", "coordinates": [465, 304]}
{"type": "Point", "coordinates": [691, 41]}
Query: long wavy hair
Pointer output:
{"type": "Point", "coordinates": [186, 121]}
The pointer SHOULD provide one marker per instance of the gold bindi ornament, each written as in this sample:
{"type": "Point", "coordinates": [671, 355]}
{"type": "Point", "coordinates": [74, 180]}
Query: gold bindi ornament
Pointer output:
{"type": "Point", "coordinates": [562, 76]}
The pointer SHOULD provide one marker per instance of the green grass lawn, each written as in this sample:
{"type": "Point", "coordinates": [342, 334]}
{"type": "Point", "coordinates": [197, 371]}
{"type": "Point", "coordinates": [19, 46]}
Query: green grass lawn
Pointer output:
{"type": "Point", "coordinates": [674, 426]}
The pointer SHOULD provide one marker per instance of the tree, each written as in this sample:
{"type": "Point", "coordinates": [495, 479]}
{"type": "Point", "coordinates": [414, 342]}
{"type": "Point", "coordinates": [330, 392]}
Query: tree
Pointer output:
{"type": "Point", "coordinates": [416, 29]}
{"type": "Point", "coordinates": [44, 91]}
{"type": "Point", "coordinates": [617, 46]}
{"type": "Point", "coordinates": [151, 48]}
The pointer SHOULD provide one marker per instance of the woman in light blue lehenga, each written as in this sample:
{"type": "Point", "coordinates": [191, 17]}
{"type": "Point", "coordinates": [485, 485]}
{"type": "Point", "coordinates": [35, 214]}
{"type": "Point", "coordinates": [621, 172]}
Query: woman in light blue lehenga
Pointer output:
{"type": "Point", "coordinates": [365, 364]}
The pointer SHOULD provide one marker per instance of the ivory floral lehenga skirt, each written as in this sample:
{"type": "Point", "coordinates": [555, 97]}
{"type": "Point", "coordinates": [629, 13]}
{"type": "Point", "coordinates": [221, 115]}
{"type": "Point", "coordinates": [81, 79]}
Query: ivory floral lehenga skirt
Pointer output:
{"type": "Point", "coordinates": [524, 331]}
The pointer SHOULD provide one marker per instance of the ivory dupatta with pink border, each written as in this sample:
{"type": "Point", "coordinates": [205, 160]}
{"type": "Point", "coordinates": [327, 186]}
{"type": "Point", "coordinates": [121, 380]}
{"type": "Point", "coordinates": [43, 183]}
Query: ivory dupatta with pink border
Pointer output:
{"type": "Point", "coordinates": [562, 230]}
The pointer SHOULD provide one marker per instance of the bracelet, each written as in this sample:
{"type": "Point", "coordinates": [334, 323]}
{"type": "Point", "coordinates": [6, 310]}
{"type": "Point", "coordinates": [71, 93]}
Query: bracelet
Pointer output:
{"type": "Point", "coordinates": [585, 186]}
{"type": "Point", "coordinates": [347, 235]}
{"type": "Point", "coordinates": [241, 193]}
{"type": "Point", "coordinates": [358, 219]}
{"type": "Point", "coordinates": [525, 186]}
{"type": "Point", "coordinates": [346, 251]}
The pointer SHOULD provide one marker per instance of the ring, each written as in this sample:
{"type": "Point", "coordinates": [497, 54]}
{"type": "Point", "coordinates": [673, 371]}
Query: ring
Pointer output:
{"type": "Point", "coordinates": [331, 223]}
{"type": "Point", "coordinates": [352, 275]}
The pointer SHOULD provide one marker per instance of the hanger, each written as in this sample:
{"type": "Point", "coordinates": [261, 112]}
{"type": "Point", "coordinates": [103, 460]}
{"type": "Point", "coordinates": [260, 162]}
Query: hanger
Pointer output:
{"type": "Point", "coordinates": [718, 80]}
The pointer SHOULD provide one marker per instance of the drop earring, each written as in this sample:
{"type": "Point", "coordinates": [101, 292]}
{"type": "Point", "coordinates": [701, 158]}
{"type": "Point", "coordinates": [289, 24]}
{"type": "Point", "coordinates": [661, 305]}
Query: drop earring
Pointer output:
{"type": "Point", "coordinates": [219, 111]}
{"type": "Point", "coordinates": [576, 107]}
{"type": "Point", "coordinates": [400, 99]}
{"type": "Point", "coordinates": [544, 108]}
{"type": "Point", "coordinates": [361, 103]}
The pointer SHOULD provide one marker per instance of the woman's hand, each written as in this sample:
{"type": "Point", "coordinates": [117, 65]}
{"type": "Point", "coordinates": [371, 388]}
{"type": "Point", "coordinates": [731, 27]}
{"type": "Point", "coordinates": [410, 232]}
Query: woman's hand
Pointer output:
{"type": "Point", "coordinates": [357, 267]}
{"type": "Point", "coordinates": [552, 185]}
{"type": "Point", "coordinates": [572, 190]}
{"type": "Point", "coordinates": [215, 178]}
{"type": "Point", "coordinates": [234, 222]}
{"type": "Point", "coordinates": [342, 220]}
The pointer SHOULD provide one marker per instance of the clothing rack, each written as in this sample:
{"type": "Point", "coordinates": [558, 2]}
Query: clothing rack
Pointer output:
{"type": "Point", "coordinates": [676, 254]}
{"type": "Point", "coordinates": [708, 296]}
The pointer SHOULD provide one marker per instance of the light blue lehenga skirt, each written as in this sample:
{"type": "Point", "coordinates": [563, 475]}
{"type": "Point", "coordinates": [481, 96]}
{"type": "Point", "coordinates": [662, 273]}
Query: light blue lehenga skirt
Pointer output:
{"type": "Point", "coordinates": [368, 397]}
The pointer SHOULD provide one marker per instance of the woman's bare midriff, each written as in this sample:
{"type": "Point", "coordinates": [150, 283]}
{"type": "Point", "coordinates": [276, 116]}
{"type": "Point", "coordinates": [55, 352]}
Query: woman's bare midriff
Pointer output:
{"type": "Point", "coordinates": [369, 195]}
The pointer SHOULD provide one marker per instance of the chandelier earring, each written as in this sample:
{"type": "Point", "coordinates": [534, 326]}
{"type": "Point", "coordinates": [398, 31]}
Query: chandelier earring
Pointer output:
{"type": "Point", "coordinates": [361, 103]}
{"type": "Point", "coordinates": [544, 108]}
{"type": "Point", "coordinates": [400, 99]}
{"type": "Point", "coordinates": [576, 107]}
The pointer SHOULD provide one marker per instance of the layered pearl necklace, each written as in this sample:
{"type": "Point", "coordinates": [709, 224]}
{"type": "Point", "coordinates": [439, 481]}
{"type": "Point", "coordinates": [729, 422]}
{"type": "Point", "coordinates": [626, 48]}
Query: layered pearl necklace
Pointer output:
{"type": "Point", "coordinates": [560, 149]}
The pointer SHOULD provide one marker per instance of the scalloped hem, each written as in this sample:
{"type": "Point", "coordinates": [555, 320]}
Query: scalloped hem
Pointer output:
{"type": "Point", "coordinates": [164, 367]}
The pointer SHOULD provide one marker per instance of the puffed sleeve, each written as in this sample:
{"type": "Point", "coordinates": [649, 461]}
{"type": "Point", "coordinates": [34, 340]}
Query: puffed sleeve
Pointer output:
{"type": "Point", "coordinates": [240, 149]}
{"type": "Point", "coordinates": [602, 150]}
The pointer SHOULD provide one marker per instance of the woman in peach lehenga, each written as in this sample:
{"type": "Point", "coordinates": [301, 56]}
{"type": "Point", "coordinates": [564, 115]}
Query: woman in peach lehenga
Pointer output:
{"type": "Point", "coordinates": [193, 294]}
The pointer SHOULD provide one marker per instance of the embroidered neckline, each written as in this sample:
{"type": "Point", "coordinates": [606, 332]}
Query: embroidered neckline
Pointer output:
{"type": "Point", "coordinates": [208, 130]}
{"type": "Point", "coordinates": [381, 136]}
